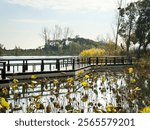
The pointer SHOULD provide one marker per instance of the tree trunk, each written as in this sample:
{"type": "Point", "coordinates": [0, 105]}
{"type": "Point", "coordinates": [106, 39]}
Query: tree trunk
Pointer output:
{"type": "Point", "coordinates": [139, 51]}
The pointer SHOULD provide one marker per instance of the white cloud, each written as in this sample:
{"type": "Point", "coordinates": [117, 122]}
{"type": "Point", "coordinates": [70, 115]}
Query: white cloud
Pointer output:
{"type": "Point", "coordinates": [67, 5]}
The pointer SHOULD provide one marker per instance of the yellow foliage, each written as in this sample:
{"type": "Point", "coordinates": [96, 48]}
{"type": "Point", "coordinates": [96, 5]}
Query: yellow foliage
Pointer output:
{"type": "Point", "coordinates": [87, 76]}
{"type": "Point", "coordinates": [86, 85]}
{"type": "Point", "coordinates": [70, 80]}
{"type": "Point", "coordinates": [80, 72]}
{"type": "Point", "coordinates": [38, 96]}
{"type": "Point", "coordinates": [103, 79]}
{"type": "Point", "coordinates": [145, 110]}
{"type": "Point", "coordinates": [15, 81]}
{"type": "Point", "coordinates": [4, 103]}
{"type": "Point", "coordinates": [33, 76]}
{"type": "Point", "coordinates": [130, 70]}
{"type": "Point", "coordinates": [110, 108]}
{"type": "Point", "coordinates": [55, 82]}
{"type": "Point", "coordinates": [133, 81]}
{"type": "Point", "coordinates": [93, 52]}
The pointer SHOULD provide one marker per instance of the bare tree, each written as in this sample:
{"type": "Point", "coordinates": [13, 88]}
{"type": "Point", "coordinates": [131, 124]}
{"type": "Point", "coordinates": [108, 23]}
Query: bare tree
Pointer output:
{"type": "Point", "coordinates": [46, 34]}
{"type": "Point", "coordinates": [57, 32]}
{"type": "Point", "coordinates": [67, 32]}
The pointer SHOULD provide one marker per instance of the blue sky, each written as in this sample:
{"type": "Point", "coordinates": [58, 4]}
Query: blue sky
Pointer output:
{"type": "Point", "coordinates": [22, 21]}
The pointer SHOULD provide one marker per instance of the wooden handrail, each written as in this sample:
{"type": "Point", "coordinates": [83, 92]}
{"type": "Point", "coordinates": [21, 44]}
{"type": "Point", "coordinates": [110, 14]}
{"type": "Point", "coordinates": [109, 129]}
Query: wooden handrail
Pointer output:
{"type": "Point", "coordinates": [58, 63]}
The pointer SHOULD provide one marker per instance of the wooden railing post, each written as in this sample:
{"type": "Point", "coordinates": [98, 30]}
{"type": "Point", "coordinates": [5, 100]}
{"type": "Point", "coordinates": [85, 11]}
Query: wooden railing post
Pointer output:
{"type": "Point", "coordinates": [89, 60]}
{"type": "Point", "coordinates": [4, 71]}
{"type": "Point", "coordinates": [97, 60]}
{"type": "Point", "coordinates": [67, 62]}
{"type": "Point", "coordinates": [78, 61]}
{"type": "Point", "coordinates": [63, 63]}
{"type": "Point", "coordinates": [130, 60]}
{"type": "Point", "coordinates": [114, 60]}
{"type": "Point", "coordinates": [23, 66]}
{"type": "Point", "coordinates": [26, 64]}
{"type": "Point", "coordinates": [73, 64]}
{"type": "Point", "coordinates": [42, 65]}
{"type": "Point", "coordinates": [58, 65]}
{"type": "Point", "coordinates": [50, 67]}
{"type": "Point", "coordinates": [105, 60]}
{"type": "Point", "coordinates": [122, 60]}
{"type": "Point", "coordinates": [8, 66]}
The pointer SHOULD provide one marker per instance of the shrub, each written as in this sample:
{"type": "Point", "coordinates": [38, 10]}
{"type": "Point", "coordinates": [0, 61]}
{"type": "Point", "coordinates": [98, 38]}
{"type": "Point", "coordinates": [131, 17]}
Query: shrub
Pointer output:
{"type": "Point", "coordinates": [93, 52]}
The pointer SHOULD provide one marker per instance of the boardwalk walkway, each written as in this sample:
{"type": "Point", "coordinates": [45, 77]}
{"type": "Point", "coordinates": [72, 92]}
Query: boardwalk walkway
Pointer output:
{"type": "Point", "coordinates": [53, 67]}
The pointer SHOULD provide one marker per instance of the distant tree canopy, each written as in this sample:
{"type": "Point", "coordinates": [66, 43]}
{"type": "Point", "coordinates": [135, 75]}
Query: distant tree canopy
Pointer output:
{"type": "Point", "coordinates": [58, 41]}
{"type": "Point", "coordinates": [70, 46]}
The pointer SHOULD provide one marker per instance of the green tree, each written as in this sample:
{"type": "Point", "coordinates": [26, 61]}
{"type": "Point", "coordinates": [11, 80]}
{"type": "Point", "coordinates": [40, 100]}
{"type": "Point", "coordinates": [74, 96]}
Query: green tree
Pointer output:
{"type": "Point", "coordinates": [143, 24]}
{"type": "Point", "coordinates": [74, 48]}
{"type": "Point", "coordinates": [127, 26]}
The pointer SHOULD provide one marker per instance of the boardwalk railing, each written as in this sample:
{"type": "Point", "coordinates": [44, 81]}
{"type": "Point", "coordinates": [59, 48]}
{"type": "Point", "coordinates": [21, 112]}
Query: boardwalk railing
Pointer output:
{"type": "Point", "coordinates": [43, 65]}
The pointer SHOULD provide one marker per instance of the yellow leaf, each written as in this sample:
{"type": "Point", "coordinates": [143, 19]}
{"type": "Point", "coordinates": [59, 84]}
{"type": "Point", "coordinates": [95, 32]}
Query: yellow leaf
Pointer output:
{"type": "Point", "coordinates": [133, 81]}
{"type": "Point", "coordinates": [86, 85]}
{"type": "Point", "coordinates": [80, 72]}
{"type": "Point", "coordinates": [15, 81]}
{"type": "Point", "coordinates": [87, 76]}
{"type": "Point", "coordinates": [55, 81]}
{"type": "Point", "coordinates": [130, 70]}
{"type": "Point", "coordinates": [109, 108]}
{"type": "Point", "coordinates": [145, 110]}
{"type": "Point", "coordinates": [39, 105]}
{"type": "Point", "coordinates": [4, 103]}
{"type": "Point", "coordinates": [84, 98]}
{"type": "Point", "coordinates": [37, 97]}
{"type": "Point", "coordinates": [70, 80]}
{"type": "Point", "coordinates": [103, 79]}
{"type": "Point", "coordinates": [33, 76]}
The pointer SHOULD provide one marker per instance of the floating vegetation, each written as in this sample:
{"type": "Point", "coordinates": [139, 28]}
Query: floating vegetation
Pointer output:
{"type": "Point", "coordinates": [90, 92]}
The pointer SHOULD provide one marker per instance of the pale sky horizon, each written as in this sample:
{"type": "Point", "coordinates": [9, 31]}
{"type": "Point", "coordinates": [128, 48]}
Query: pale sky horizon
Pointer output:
{"type": "Point", "coordinates": [22, 21]}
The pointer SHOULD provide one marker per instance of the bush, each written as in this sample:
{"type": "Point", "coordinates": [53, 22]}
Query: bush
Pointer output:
{"type": "Point", "coordinates": [93, 52]}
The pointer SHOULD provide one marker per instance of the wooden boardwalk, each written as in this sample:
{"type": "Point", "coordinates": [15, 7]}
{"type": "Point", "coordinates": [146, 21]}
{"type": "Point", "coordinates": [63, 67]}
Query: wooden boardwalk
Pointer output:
{"type": "Point", "coordinates": [55, 67]}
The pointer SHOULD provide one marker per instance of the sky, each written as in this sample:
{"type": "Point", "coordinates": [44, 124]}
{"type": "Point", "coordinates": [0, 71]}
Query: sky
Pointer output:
{"type": "Point", "coordinates": [22, 21]}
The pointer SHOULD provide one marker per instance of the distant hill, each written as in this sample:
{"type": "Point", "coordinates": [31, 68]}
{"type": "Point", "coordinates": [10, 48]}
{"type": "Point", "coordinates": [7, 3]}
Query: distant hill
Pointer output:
{"type": "Point", "coordinates": [69, 46]}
